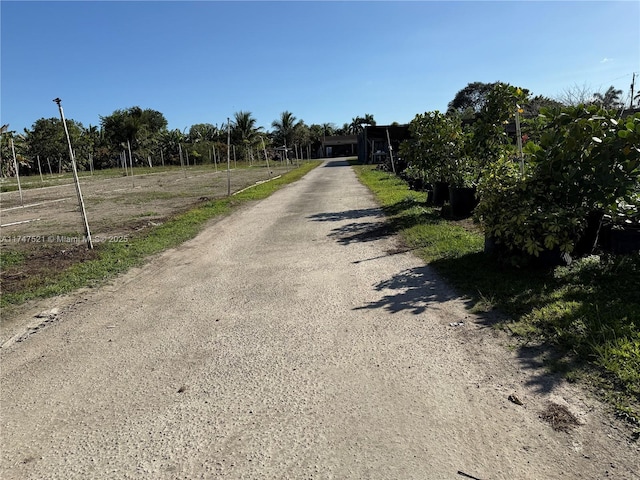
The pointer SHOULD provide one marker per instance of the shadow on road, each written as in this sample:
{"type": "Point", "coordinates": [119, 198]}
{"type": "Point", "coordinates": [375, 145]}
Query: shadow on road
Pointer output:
{"type": "Point", "coordinates": [346, 215]}
{"type": "Point", "coordinates": [420, 288]}
{"type": "Point", "coordinates": [356, 231]}
{"type": "Point", "coordinates": [415, 290]}
{"type": "Point", "coordinates": [336, 163]}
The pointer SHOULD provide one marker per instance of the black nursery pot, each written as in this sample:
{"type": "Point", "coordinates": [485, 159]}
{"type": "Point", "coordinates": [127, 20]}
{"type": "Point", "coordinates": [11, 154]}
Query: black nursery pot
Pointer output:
{"type": "Point", "coordinates": [462, 200]}
{"type": "Point", "coordinates": [625, 241]}
{"type": "Point", "coordinates": [440, 193]}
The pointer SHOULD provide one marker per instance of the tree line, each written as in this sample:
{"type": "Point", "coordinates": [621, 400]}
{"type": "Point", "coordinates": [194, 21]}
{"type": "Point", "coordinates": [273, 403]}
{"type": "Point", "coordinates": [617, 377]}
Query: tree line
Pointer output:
{"type": "Point", "coordinates": [141, 137]}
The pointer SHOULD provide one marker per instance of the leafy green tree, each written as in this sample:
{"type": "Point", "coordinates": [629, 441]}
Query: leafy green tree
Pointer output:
{"type": "Point", "coordinates": [21, 149]}
{"type": "Point", "coordinates": [471, 99]}
{"type": "Point", "coordinates": [203, 132]}
{"type": "Point", "coordinates": [135, 126]}
{"type": "Point", "coordinates": [47, 139]}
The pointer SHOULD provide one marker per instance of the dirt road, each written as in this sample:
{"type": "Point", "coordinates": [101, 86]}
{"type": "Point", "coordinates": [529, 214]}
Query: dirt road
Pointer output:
{"type": "Point", "coordinates": [290, 341]}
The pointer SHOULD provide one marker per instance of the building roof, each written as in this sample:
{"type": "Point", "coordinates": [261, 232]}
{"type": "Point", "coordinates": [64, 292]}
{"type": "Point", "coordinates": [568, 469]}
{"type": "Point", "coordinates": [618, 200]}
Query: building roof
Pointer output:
{"type": "Point", "coordinates": [340, 140]}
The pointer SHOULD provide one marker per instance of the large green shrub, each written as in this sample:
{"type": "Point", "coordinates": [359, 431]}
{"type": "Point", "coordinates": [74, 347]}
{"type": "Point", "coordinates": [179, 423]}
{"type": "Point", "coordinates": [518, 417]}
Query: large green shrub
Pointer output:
{"type": "Point", "coordinates": [434, 145]}
{"type": "Point", "coordinates": [585, 161]}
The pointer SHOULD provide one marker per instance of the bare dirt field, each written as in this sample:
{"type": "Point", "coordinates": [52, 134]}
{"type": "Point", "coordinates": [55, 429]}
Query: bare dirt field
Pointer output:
{"type": "Point", "coordinates": [293, 339]}
{"type": "Point", "coordinates": [47, 224]}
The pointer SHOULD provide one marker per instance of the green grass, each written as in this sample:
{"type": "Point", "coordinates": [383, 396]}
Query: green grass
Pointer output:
{"type": "Point", "coordinates": [10, 259]}
{"type": "Point", "coordinates": [582, 321]}
{"type": "Point", "coordinates": [117, 257]}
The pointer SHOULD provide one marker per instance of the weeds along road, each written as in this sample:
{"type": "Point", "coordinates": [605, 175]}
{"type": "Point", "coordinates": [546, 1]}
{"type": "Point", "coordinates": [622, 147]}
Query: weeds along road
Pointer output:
{"type": "Point", "coordinates": [292, 340]}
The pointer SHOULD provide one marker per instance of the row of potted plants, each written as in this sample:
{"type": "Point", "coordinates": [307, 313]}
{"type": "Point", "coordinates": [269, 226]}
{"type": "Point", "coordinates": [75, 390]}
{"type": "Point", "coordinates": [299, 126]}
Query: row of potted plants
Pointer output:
{"type": "Point", "coordinates": [551, 187]}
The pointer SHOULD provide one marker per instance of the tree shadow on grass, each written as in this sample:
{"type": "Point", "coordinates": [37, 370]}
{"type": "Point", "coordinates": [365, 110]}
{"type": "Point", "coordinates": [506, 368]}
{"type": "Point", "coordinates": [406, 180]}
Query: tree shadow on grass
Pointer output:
{"type": "Point", "coordinates": [391, 219]}
{"type": "Point", "coordinates": [562, 317]}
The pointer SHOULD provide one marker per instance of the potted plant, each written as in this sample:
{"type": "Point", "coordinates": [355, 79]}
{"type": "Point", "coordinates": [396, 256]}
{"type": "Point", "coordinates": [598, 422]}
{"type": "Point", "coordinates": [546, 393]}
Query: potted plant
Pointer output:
{"type": "Point", "coordinates": [430, 149]}
{"type": "Point", "coordinates": [463, 175]}
{"type": "Point", "coordinates": [584, 162]}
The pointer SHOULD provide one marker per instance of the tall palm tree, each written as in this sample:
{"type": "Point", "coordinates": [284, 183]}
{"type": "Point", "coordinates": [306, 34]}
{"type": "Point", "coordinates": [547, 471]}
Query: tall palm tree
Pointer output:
{"type": "Point", "coordinates": [328, 129]}
{"type": "Point", "coordinates": [244, 131]}
{"type": "Point", "coordinates": [368, 120]}
{"type": "Point", "coordinates": [610, 99]}
{"type": "Point", "coordinates": [355, 126]}
{"type": "Point", "coordinates": [285, 128]}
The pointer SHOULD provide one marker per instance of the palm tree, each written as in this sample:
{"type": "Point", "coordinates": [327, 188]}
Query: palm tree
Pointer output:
{"type": "Point", "coordinates": [244, 131]}
{"type": "Point", "coordinates": [610, 99]}
{"type": "Point", "coordinates": [202, 132]}
{"type": "Point", "coordinates": [170, 141]}
{"type": "Point", "coordinates": [285, 128]}
{"type": "Point", "coordinates": [355, 126]}
{"type": "Point", "coordinates": [368, 120]}
{"type": "Point", "coordinates": [328, 129]}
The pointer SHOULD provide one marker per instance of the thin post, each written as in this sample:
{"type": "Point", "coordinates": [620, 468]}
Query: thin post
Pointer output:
{"type": "Point", "coordinates": [40, 169]}
{"type": "Point", "coordinates": [162, 157]}
{"type": "Point", "coordinates": [15, 165]}
{"type": "Point", "coordinates": [182, 160]}
{"type": "Point", "coordinates": [519, 140]}
{"type": "Point", "coordinates": [393, 165]}
{"type": "Point", "coordinates": [75, 177]}
{"type": "Point", "coordinates": [133, 182]}
{"type": "Point", "coordinates": [49, 163]}
{"type": "Point", "coordinates": [235, 162]}
{"type": "Point", "coordinates": [286, 153]}
{"type": "Point", "coordinates": [91, 162]}
{"type": "Point", "coordinates": [266, 158]}
{"type": "Point", "coordinates": [229, 158]}
{"type": "Point", "coordinates": [215, 157]}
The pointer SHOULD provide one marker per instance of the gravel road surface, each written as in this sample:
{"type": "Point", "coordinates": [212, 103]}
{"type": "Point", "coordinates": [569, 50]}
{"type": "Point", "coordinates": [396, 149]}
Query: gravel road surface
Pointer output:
{"type": "Point", "coordinates": [290, 340]}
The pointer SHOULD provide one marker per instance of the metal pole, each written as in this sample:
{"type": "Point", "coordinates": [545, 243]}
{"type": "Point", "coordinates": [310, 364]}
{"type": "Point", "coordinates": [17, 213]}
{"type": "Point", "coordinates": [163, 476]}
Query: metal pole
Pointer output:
{"type": "Point", "coordinates": [75, 177]}
{"type": "Point", "coordinates": [15, 165]}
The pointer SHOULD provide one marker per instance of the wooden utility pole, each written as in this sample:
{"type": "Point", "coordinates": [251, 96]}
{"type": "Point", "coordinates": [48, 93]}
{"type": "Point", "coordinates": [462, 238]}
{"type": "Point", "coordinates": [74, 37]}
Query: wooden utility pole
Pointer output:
{"type": "Point", "coordinates": [75, 177]}
{"type": "Point", "coordinates": [633, 81]}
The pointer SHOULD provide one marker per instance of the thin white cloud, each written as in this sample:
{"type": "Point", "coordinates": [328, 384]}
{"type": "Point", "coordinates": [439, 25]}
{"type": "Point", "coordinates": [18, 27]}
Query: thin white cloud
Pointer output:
{"type": "Point", "coordinates": [606, 60]}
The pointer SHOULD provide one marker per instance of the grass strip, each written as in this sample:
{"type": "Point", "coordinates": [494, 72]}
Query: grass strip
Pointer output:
{"type": "Point", "coordinates": [581, 321]}
{"type": "Point", "coordinates": [115, 258]}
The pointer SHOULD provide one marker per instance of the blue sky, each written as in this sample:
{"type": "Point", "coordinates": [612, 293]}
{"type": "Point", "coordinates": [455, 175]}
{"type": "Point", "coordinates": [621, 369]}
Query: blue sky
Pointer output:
{"type": "Point", "coordinates": [201, 61]}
